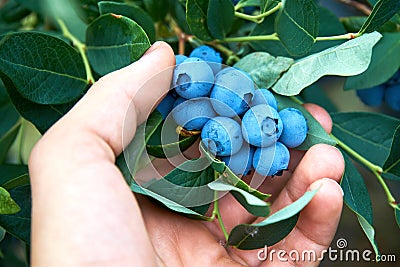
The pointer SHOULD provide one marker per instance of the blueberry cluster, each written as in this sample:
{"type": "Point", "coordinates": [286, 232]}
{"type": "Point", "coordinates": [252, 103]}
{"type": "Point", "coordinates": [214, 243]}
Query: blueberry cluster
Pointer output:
{"type": "Point", "coordinates": [388, 92]}
{"type": "Point", "coordinates": [239, 124]}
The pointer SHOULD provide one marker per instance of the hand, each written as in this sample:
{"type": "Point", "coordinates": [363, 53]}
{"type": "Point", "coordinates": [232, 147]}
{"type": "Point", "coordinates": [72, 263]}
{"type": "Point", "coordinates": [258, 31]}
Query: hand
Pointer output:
{"type": "Point", "coordinates": [84, 214]}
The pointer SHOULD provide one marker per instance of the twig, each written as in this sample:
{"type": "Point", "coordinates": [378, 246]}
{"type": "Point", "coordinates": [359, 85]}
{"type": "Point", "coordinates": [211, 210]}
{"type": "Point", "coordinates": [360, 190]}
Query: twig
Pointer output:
{"type": "Point", "coordinates": [360, 6]}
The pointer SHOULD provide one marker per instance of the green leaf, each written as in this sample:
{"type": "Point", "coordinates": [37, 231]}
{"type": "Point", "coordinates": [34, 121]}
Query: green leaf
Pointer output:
{"type": "Point", "coordinates": [2, 233]}
{"type": "Point", "coordinates": [7, 140]}
{"type": "Point", "coordinates": [316, 94]}
{"type": "Point", "coordinates": [158, 9]}
{"type": "Point", "coordinates": [392, 163]}
{"type": "Point", "coordinates": [265, 5]}
{"type": "Point", "coordinates": [186, 185]}
{"type": "Point", "coordinates": [382, 12]}
{"type": "Point", "coordinates": [166, 202]}
{"type": "Point", "coordinates": [7, 204]}
{"type": "Point", "coordinates": [220, 15]}
{"type": "Point", "coordinates": [297, 25]}
{"type": "Point", "coordinates": [44, 69]}
{"type": "Point", "coordinates": [384, 64]}
{"type": "Point", "coordinates": [131, 11]}
{"type": "Point", "coordinates": [10, 172]}
{"type": "Point", "coordinates": [332, 61]}
{"type": "Point", "coordinates": [42, 116]}
{"type": "Point", "coordinates": [271, 230]}
{"type": "Point", "coordinates": [316, 133]}
{"type": "Point", "coordinates": [357, 198]}
{"type": "Point", "coordinates": [19, 224]}
{"type": "Point", "coordinates": [8, 112]}
{"type": "Point", "coordinates": [397, 216]}
{"type": "Point", "coordinates": [128, 161]}
{"type": "Point", "coordinates": [263, 68]}
{"type": "Point", "coordinates": [165, 142]}
{"type": "Point", "coordinates": [196, 17]}
{"type": "Point", "coordinates": [17, 181]}
{"type": "Point", "coordinates": [229, 177]}
{"type": "Point", "coordinates": [369, 134]}
{"type": "Point", "coordinates": [113, 42]}
{"type": "Point", "coordinates": [251, 203]}
{"type": "Point", "coordinates": [244, 3]}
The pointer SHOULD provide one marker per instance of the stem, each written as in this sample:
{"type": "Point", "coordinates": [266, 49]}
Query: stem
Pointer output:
{"type": "Point", "coordinates": [360, 6]}
{"type": "Point", "coordinates": [180, 34]}
{"type": "Point", "coordinates": [274, 37]}
{"type": "Point", "coordinates": [258, 18]}
{"type": "Point", "coordinates": [364, 161]}
{"type": "Point", "coordinates": [229, 53]}
{"type": "Point", "coordinates": [390, 198]}
{"type": "Point", "coordinates": [295, 99]}
{"type": "Point", "coordinates": [81, 48]}
{"type": "Point", "coordinates": [217, 213]}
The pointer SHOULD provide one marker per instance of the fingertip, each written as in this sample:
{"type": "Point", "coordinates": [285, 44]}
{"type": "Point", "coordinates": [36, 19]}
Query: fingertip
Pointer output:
{"type": "Point", "coordinates": [321, 115]}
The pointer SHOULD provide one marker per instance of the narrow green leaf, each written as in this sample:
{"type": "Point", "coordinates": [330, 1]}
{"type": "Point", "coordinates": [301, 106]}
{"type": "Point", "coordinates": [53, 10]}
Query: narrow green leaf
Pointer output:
{"type": "Point", "coordinates": [369, 134]}
{"type": "Point", "coordinates": [131, 11]}
{"type": "Point", "coordinates": [196, 17]}
{"type": "Point", "coordinates": [44, 69]}
{"type": "Point", "coordinates": [263, 68]}
{"type": "Point", "coordinates": [297, 25]}
{"type": "Point", "coordinates": [265, 5]}
{"type": "Point", "coordinates": [42, 116]}
{"type": "Point", "coordinates": [7, 140]}
{"type": "Point", "coordinates": [392, 163]}
{"type": "Point", "coordinates": [271, 230]}
{"type": "Point", "coordinates": [113, 42]}
{"type": "Point", "coordinates": [128, 161]}
{"type": "Point", "coordinates": [19, 224]}
{"type": "Point", "coordinates": [332, 61]}
{"type": "Point", "coordinates": [8, 113]}
{"type": "Point", "coordinates": [17, 181]}
{"type": "Point", "coordinates": [2, 233]}
{"type": "Point", "coordinates": [252, 204]}
{"type": "Point", "coordinates": [229, 177]}
{"type": "Point", "coordinates": [10, 172]}
{"type": "Point", "coordinates": [369, 232]}
{"type": "Point", "coordinates": [316, 133]}
{"type": "Point", "coordinates": [384, 64]}
{"type": "Point", "coordinates": [7, 204]}
{"type": "Point", "coordinates": [186, 185]}
{"type": "Point", "coordinates": [382, 12]}
{"type": "Point", "coordinates": [220, 15]}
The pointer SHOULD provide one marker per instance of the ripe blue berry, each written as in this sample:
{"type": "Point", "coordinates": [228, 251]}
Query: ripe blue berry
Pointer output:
{"type": "Point", "coordinates": [232, 89]}
{"type": "Point", "coordinates": [264, 96]}
{"type": "Point", "coordinates": [271, 160]}
{"type": "Point", "coordinates": [193, 78]}
{"type": "Point", "coordinates": [166, 105]}
{"type": "Point", "coordinates": [392, 97]}
{"type": "Point", "coordinates": [222, 136]}
{"type": "Point", "coordinates": [179, 59]}
{"type": "Point", "coordinates": [373, 96]}
{"type": "Point", "coordinates": [192, 114]}
{"type": "Point", "coordinates": [209, 55]}
{"type": "Point", "coordinates": [241, 162]}
{"type": "Point", "coordinates": [261, 126]}
{"type": "Point", "coordinates": [294, 127]}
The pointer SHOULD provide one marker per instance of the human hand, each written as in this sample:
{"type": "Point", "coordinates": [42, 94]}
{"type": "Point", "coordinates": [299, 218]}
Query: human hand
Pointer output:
{"type": "Point", "coordinates": [84, 213]}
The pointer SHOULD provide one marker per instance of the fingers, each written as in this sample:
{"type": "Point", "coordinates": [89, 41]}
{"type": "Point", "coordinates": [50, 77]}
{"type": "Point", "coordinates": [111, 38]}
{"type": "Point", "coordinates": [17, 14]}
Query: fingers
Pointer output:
{"type": "Point", "coordinates": [121, 100]}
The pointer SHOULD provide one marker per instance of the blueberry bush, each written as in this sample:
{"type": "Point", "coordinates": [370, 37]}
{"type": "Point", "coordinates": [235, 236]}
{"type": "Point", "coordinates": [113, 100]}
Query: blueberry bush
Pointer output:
{"type": "Point", "coordinates": [244, 69]}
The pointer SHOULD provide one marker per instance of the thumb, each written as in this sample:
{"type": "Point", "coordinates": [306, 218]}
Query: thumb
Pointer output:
{"type": "Point", "coordinates": [121, 100]}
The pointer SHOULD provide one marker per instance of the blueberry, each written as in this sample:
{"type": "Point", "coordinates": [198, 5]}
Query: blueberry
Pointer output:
{"type": "Point", "coordinates": [271, 160]}
{"type": "Point", "coordinates": [209, 55]}
{"type": "Point", "coordinates": [179, 59]}
{"type": "Point", "coordinates": [294, 127]}
{"type": "Point", "coordinates": [241, 162]}
{"type": "Point", "coordinates": [261, 126]}
{"type": "Point", "coordinates": [373, 96]}
{"type": "Point", "coordinates": [264, 96]}
{"type": "Point", "coordinates": [166, 105]}
{"type": "Point", "coordinates": [222, 136]}
{"type": "Point", "coordinates": [192, 114]}
{"type": "Point", "coordinates": [392, 97]}
{"type": "Point", "coordinates": [233, 89]}
{"type": "Point", "coordinates": [193, 78]}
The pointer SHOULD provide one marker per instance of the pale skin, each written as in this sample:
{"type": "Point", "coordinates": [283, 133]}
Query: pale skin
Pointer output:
{"type": "Point", "coordinates": [84, 213]}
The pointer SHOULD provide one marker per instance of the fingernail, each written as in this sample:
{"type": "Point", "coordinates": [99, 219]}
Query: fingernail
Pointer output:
{"type": "Point", "coordinates": [316, 185]}
{"type": "Point", "coordinates": [153, 48]}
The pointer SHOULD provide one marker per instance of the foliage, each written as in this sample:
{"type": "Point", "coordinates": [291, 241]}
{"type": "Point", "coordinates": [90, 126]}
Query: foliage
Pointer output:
{"type": "Point", "coordinates": [50, 54]}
